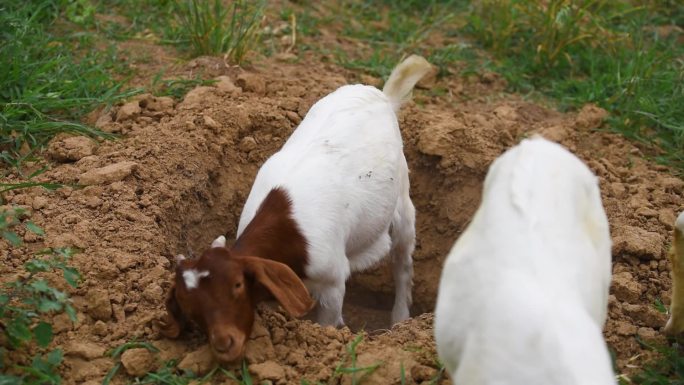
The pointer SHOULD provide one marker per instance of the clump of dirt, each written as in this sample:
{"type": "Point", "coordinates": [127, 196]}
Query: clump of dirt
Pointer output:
{"type": "Point", "coordinates": [180, 174]}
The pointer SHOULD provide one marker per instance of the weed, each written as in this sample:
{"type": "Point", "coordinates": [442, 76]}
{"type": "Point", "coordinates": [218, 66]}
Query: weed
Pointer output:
{"type": "Point", "coordinates": [166, 375]}
{"type": "Point", "coordinates": [118, 351]}
{"type": "Point", "coordinates": [439, 375]}
{"type": "Point", "coordinates": [353, 370]}
{"type": "Point", "coordinates": [12, 217]}
{"type": "Point", "coordinates": [667, 369]}
{"type": "Point", "coordinates": [245, 377]}
{"type": "Point", "coordinates": [4, 187]}
{"type": "Point", "coordinates": [176, 87]}
{"type": "Point", "coordinates": [27, 301]}
{"type": "Point", "coordinates": [658, 305]}
{"type": "Point", "coordinates": [212, 28]}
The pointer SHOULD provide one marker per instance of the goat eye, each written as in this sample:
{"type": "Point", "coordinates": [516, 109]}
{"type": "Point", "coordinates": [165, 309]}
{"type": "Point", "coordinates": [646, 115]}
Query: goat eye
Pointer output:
{"type": "Point", "coordinates": [238, 285]}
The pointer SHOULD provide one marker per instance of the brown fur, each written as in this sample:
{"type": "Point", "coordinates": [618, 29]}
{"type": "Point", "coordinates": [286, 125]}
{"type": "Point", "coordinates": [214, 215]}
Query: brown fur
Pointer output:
{"type": "Point", "coordinates": [273, 234]}
{"type": "Point", "coordinates": [266, 261]}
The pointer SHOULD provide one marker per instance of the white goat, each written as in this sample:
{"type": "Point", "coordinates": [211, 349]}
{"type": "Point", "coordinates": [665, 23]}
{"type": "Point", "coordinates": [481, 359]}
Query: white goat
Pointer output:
{"type": "Point", "coordinates": [523, 294]}
{"type": "Point", "coordinates": [346, 178]}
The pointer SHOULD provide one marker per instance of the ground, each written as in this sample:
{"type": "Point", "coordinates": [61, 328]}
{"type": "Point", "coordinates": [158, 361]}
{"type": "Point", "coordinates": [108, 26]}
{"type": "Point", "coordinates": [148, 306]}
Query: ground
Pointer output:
{"type": "Point", "coordinates": [181, 170]}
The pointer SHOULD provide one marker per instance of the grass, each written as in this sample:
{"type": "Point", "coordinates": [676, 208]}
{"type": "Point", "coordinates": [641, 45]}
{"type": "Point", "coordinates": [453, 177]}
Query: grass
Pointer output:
{"type": "Point", "coordinates": [47, 84]}
{"type": "Point", "coordinates": [390, 30]}
{"type": "Point", "coordinates": [594, 51]}
{"type": "Point", "coordinates": [215, 29]}
{"type": "Point", "coordinates": [52, 76]}
{"type": "Point", "coordinates": [196, 27]}
{"type": "Point", "coordinates": [668, 369]}
{"type": "Point", "coordinates": [574, 52]}
{"type": "Point", "coordinates": [352, 369]}
{"type": "Point", "coordinates": [176, 87]}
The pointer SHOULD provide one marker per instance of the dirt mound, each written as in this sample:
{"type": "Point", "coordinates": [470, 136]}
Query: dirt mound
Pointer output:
{"type": "Point", "coordinates": [180, 174]}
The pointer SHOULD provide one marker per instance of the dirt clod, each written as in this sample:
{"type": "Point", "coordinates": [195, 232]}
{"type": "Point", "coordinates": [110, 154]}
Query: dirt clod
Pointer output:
{"type": "Point", "coordinates": [99, 305]}
{"type": "Point", "coordinates": [71, 148]}
{"type": "Point", "coordinates": [225, 84]}
{"type": "Point", "coordinates": [626, 288]}
{"type": "Point", "coordinates": [421, 373]}
{"type": "Point", "coordinates": [39, 202]}
{"type": "Point", "coordinates": [250, 82]}
{"type": "Point", "coordinates": [61, 323]}
{"type": "Point", "coordinates": [138, 362]}
{"type": "Point", "coordinates": [268, 370]}
{"type": "Point", "coordinates": [199, 361]}
{"type": "Point", "coordinates": [112, 173]}
{"type": "Point", "coordinates": [84, 350]}
{"type": "Point", "coordinates": [591, 116]}
{"type": "Point", "coordinates": [128, 111]}
{"type": "Point", "coordinates": [646, 315]}
{"type": "Point", "coordinates": [247, 144]}
{"type": "Point", "coordinates": [638, 242]}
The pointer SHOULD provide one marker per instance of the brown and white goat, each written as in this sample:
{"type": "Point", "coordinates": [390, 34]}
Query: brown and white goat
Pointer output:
{"type": "Point", "coordinates": [335, 199]}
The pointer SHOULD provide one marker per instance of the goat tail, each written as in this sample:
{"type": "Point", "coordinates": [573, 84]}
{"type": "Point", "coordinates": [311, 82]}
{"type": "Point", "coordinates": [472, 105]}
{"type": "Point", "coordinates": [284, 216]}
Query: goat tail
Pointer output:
{"type": "Point", "coordinates": [403, 78]}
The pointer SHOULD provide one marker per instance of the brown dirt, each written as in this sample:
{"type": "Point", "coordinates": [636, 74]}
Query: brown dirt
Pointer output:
{"type": "Point", "coordinates": [182, 170]}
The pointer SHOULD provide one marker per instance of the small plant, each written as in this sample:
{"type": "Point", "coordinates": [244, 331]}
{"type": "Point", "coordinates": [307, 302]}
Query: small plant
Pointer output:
{"type": "Point", "coordinates": [167, 375]}
{"type": "Point", "coordinates": [26, 302]}
{"type": "Point", "coordinates": [440, 373]}
{"type": "Point", "coordinates": [660, 306]}
{"type": "Point", "coordinates": [245, 377]}
{"type": "Point", "coordinates": [353, 370]}
{"type": "Point", "coordinates": [667, 369]}
{"type": "Point", "coordinates": [176, 87]}
{"type": "Point", "coordinates": [117, 352]}
{"type": "Point", "coordinates": [12, 217]}
{"type": "Point", "coordinates": [213, 28]}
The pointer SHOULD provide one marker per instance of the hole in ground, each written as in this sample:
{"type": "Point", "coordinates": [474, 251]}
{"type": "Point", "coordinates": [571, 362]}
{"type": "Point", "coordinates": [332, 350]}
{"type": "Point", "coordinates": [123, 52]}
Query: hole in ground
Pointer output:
{"type": "Point", "coordinates": [444, 204]}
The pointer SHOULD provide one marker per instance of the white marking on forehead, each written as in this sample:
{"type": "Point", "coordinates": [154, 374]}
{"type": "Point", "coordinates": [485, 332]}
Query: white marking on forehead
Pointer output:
{"type": "Point", "coordinates": [192, 277]}
{"type": "Point", "coordinates": [219, 242]}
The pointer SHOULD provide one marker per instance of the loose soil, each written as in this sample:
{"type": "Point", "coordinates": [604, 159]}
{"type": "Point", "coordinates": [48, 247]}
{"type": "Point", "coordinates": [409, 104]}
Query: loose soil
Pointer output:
{"type": "Point", "coordinates": [181, 171]}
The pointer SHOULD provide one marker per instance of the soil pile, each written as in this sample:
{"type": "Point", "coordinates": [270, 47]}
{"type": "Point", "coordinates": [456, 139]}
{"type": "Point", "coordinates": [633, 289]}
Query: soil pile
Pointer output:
{"type": "Point", "coordinates": [180, 173]}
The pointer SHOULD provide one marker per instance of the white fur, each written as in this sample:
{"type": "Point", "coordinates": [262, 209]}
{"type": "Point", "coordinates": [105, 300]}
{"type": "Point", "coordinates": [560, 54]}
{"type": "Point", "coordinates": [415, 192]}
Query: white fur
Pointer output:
{"type": "Point", "coordinates": [219, 242]}
{"type": "Point", "coordinates": [679, 223]}
{"type": "Point", "coordinates": [345, 172]}
{"type": "Point", "coordinates": [524, 291]}
{"type": "Point", "coordinates": [180, 258]}
{"type": "Point", "coordinates": [192, 278]}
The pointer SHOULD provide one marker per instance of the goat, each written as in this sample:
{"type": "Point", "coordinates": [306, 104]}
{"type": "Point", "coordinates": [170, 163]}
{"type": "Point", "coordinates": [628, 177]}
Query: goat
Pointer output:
{"type": "Point", "coordinates": [675, 324]}
{"type": "Point", "coordinates": [334, 199]}
{"type": "Point", "coordinates": [524, 290]}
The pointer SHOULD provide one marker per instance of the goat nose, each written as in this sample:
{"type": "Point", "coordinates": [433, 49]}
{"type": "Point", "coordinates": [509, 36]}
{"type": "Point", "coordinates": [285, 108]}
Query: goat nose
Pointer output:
{"type": "Point", "coordinates": [223, 345]}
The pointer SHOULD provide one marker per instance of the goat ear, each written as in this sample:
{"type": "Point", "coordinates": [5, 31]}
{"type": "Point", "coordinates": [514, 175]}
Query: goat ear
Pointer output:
{"type": "Point", "coordinates": [173, 321]}
{"type": "Point", "coordinates": [219, 242]}
{"type": "Point", "coordinates": [283, 283]}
